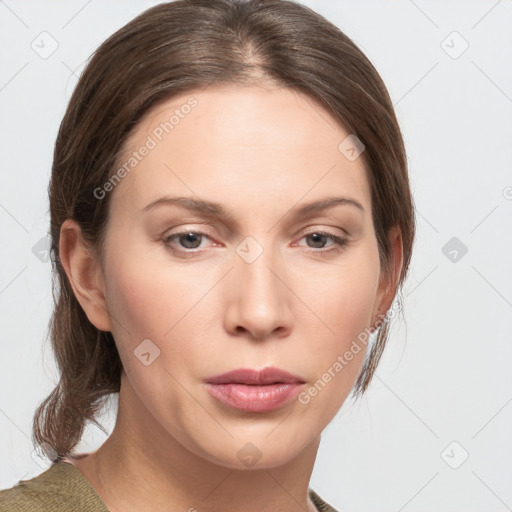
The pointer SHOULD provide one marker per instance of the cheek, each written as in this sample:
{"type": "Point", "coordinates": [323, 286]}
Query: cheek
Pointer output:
{"type": "Point", "coordinates": [343, 298]}
{"type": "Point", "coordinates": [149, 299]}
{"type": "Point", "coordinates": [344, 303]}
{"type": "Point", "coordinates": [147, 306]}
{"type": "Point", "coordinates": [350, 309]}
{"type": "Point", "coordinates": [143, 303]}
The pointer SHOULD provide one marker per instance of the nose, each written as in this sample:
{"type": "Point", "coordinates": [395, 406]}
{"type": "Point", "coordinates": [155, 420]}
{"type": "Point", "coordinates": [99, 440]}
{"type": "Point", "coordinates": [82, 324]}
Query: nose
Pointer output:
{"type": "Point", "coordinates": [257, 298]}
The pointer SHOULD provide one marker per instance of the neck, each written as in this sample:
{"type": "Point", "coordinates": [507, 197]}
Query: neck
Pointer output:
{"type": "Point", "coordinates": [159, 473]}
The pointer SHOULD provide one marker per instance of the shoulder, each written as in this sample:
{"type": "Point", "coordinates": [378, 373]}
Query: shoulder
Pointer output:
{"type": "Point", "coordinates": [58, 489]}
{"type": "Point", "coordinates": [319, 503]}
{"type": "Point", "coordinates": [33, 494]}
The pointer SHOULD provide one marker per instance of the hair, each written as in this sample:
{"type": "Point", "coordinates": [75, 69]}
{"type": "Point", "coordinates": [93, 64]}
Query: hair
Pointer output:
{"type": "Point", "coordinates": [168, 50]}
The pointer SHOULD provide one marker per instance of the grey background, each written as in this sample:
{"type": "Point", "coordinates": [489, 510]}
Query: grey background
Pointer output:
{"type": "Point", "coordinates": [443, 392]}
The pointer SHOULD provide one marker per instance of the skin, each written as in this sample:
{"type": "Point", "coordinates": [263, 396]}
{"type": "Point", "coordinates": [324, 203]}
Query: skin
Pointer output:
{"type": "Point", "coordinates": [261, 152]}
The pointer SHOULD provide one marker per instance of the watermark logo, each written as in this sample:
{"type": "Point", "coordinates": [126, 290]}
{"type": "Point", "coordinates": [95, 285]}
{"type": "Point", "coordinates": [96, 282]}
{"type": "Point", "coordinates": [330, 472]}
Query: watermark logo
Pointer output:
{"type": "Point", "coordinates": [45, 45]}
{"type": "Point", "coordinates": [454, 249]}
{"type": "Point", "coordinates": [249, 454]}
{"type": "Point", "coordinates": [146, 352]}
{"type": "Point", "coordinates": [41, 250]}
{"type": "Point", "coordinates": [454, 455]}
{"type": "Point", "coordinates": [454, 45]}
{"type": "Point", "coordinates": [249, 249]}
{"type": "Point", "coordinates": [351, 147]}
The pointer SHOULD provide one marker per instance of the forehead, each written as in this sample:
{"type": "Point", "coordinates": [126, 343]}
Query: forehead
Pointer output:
{"type": "Point", "coordinates": [255, 114]}
{"type": "Point", "coordinates": [274, 142]}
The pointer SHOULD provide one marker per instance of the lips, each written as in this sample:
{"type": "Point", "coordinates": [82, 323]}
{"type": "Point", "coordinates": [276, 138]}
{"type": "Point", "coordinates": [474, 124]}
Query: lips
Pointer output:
{"type": "Point", "coordinates": [254, 391]}
{"type": "Point", "coordinates": [248, 376]}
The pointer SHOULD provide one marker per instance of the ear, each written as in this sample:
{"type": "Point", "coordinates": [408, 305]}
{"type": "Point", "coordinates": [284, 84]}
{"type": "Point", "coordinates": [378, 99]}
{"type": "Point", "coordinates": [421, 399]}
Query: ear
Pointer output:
{"type": "Point", "coordinates": [388, 283]}
{"type": "Point", "coordinates": [85, 275]}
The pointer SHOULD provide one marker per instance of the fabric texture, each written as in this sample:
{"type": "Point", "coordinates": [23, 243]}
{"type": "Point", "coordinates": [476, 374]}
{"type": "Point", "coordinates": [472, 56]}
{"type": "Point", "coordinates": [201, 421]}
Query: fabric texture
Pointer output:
{"type": "Point", "coordinates": [63, 488]}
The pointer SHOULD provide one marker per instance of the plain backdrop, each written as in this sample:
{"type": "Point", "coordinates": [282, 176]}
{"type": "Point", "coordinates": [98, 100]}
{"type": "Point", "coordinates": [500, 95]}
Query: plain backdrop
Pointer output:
{"type": "Point", "coordinates": [433, 432]}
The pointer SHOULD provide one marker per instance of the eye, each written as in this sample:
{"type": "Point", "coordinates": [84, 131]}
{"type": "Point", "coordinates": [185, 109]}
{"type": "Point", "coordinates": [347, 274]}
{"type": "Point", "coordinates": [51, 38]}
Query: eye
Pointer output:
{"type": "Point", "coordinates": [190, 242]}
{"type": "Point", "coordinates": [185, 241]}
{"type": "Point", "coordinates": [320, 238]}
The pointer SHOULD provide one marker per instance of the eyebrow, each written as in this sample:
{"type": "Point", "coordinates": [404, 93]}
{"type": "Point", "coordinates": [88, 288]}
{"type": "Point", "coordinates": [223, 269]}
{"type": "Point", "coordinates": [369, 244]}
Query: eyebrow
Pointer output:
{"type": "Point", "coordinates": [212, 209]}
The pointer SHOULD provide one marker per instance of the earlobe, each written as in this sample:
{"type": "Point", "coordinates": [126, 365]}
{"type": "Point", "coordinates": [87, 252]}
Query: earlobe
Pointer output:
{"type": "Point", "coordinates": [85, 275]}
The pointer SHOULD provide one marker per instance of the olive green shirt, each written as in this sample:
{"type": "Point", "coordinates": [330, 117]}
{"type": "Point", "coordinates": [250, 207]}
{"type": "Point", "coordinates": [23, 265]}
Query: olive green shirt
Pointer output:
{"type": "Point", "coordinates": [63, 488]}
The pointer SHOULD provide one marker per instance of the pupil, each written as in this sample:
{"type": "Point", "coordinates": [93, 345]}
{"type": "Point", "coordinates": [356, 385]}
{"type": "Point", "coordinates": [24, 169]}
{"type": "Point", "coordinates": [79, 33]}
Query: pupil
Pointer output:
{"type": "Point", "coordinates": [187, 239]}
{"type": "Point", "coordinates": [318, 243]}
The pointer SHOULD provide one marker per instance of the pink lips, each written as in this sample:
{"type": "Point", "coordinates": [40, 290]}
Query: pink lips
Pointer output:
{"type": "Point", "coordinates": [254, 391]}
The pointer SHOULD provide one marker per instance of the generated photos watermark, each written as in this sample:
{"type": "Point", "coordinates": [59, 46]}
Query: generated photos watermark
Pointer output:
{"type": "Point", "coordinates": [151, 142]}
{"type": "Point", "coordinates": [344, 359]}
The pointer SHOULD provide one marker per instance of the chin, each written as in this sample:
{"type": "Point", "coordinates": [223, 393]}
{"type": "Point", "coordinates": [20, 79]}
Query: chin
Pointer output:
{"type": "Point", "coordinates": [263, 449]}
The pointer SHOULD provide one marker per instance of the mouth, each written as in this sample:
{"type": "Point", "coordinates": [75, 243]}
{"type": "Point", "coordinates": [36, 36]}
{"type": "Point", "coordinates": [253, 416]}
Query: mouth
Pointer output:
{"type": "Point", "coordinates": [254, 390]}
{"type": "Point", "coordinates": [266, 376]}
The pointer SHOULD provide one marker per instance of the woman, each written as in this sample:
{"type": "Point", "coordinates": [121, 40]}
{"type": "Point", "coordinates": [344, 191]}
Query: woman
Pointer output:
{"type": "Point", "coordinates": [231, 218]}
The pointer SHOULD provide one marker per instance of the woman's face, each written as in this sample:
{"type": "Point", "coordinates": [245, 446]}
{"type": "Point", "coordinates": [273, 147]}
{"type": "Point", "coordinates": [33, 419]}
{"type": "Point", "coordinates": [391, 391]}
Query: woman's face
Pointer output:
{"type": "Point", "coordinates": [193, 293]}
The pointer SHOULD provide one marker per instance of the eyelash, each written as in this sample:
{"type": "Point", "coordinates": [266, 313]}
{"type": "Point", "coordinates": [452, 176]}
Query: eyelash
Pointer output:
{"type": "Point", "coordinates": [338, 242]}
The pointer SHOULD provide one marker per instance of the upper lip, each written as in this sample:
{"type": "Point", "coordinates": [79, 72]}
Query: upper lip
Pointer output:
{"type": "Point", "coordinates": [269, 375]}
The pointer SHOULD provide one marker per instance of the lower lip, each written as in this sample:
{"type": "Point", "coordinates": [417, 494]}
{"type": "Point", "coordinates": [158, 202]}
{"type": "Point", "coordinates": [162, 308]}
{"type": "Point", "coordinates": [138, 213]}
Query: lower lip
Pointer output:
{"type": "Point", "coordinates": [255, 398]}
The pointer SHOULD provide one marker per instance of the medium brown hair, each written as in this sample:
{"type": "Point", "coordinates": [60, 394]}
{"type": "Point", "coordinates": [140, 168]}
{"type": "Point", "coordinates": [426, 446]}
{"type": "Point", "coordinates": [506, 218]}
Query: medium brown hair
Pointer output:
{"type": "Point", "coordinates": [170, 49]}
